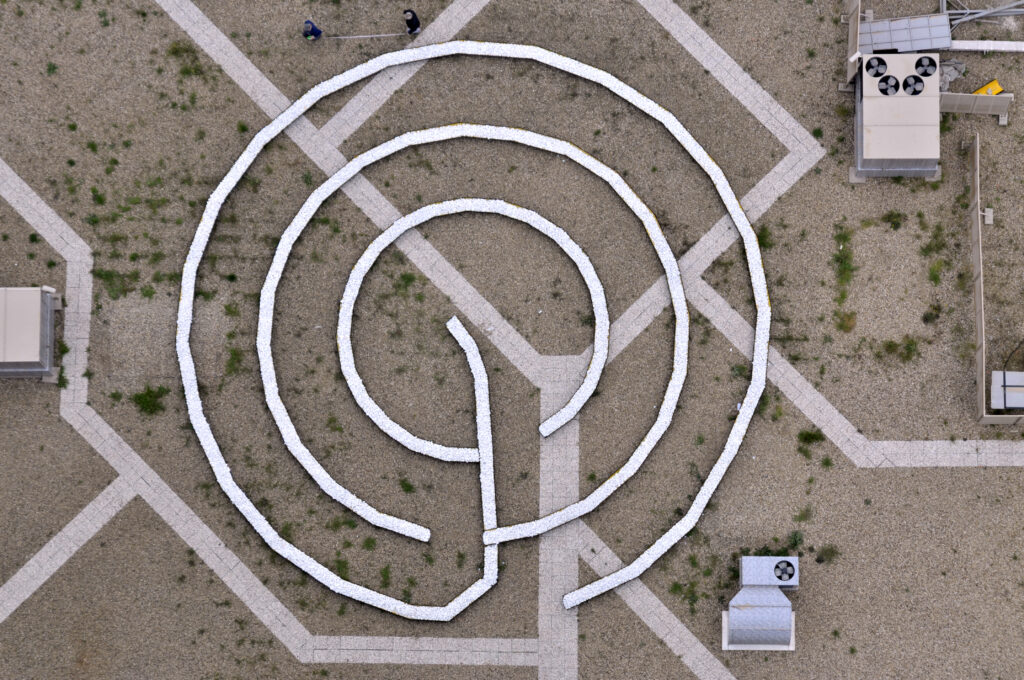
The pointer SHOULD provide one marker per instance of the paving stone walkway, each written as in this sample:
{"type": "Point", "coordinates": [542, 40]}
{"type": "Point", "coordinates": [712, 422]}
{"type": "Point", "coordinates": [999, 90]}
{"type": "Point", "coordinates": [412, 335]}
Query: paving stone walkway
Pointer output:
{"type": "Point", "coordinates": [652, 611]}
{"type": "Point", "coordinates": [554, 652]}
{"type": "Point", "coordinates": [62, 546]}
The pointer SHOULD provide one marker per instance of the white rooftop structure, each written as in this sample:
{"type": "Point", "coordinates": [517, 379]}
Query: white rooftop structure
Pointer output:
{"type": "Point", "coordinates": [898, 115]}
{"type": "Point", "coordinates": [907, 34]}
{"type": "Point", "coordinates": [26, 332]}
{"type": "Point", "coordinates": [1007, 389]}
{"type": "Point", "coordinates": [760, 616]}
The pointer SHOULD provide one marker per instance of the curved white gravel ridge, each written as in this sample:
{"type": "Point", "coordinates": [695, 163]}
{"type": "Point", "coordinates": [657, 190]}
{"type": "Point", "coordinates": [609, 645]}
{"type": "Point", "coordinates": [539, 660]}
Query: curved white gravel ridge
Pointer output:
{"type": "Point", "coordinates": [395, 231]}
{"type": "Point", "coordinates": [583, 393]}
{"type": "Point", "coordinates": [355, 383]}
{"type": "Point", "coordinates": [492, 537]}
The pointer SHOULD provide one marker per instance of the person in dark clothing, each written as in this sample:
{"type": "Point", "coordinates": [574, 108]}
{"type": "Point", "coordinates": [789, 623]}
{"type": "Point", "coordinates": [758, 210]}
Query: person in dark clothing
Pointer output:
{"type": "Point", "coordinates": [311, 32]}
{"type": "Point", "coordinates": [412, 22]}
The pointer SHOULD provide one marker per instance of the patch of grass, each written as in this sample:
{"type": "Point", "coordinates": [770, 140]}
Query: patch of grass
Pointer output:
{"type": "Point", "coordinates": [933, 313]}
{"type": "Point", "coordinates": [842, 261]}
{"type": "Point", "coordinates": [116, 396]}
{"type": "Point", "coordinates": [231, 309]}
{"type": "Point", "coordinates": [148, 292]}
{"type": "Point", "coordinates": [118, 284]}
{"type": "Point", "coordinates": [405, 280]}
{"type": "Point", "coordinates": [905, 349]}
{"type": "Point", "coordinates": [242, 127]}
{"type": "Point", "coordinates": [407, 486]}
{"type": "Point", "coordinates": [826, 462]}
{"type": "Point", "coordinates": [341, 568]}
{"type": "Point", "coordinates": [187, 56]}
{"type": "Point", "coordinates": [894, 219]}
{"type": "Point", "coordinates": [764, 238]}
{"type": "Point", "coordinates": [795, 539]}
{"type": "Point", "coordinates": [369, 543]}
{"type": "Point", "coordinates": [827, 555]}
{"type": "Point", "coordinates": [804, 515]}
{"type": "Point", "coordinates": [385, 576]}
{"type": "Point", "coordinates": [810, 436]}
{"type": "Point", "coordinates": [150, 400]}
{"type": "Point", "coordinates": [817, 133]}
{"type": "Point", "coordinates": [936, 242]}
{"type": "Point", "coordinates": [935, 271]}
{"type": "Point", "coordinates": [233, 365]}
{"type": "Point", "coordinates": [51, 68]}
{"type": "Point", "coordinates": [845, 321]}
{"type": "Point", "coordinates": [740, 371]}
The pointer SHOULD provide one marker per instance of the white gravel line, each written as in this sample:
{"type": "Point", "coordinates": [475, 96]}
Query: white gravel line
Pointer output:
{"type": "Point", "coordinates": [185, 311]}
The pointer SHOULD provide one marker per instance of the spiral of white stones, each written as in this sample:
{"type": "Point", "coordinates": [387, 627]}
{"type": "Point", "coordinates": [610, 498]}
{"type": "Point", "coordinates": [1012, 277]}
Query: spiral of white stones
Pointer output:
{"type": "Point", "coordinates": [482, 453]}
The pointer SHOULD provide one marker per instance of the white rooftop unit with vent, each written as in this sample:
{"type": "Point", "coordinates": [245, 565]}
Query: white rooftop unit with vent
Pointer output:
{"type": "Point", "coordinates": [897, 127]}
{"type": "Point", "coordinates": [26, 332]}
{"type": "Point", "coordinates": [760, 616]}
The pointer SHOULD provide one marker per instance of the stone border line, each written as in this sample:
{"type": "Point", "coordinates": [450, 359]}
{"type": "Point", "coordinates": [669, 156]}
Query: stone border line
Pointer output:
{"type": "Point", "coordinates": [59, 549]}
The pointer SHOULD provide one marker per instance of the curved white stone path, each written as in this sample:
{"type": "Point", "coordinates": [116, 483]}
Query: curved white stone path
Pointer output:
{"type": "Point", "coordinates": [492, 535]}
{"type": "Point", "coordinates": [373, 252]}
{"type": "Point", "coordinates": [354, 381]}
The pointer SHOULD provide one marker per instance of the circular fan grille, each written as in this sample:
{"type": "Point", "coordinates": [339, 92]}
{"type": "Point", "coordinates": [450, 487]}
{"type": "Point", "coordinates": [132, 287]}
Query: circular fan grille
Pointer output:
{"type": "Point", "coordinates": [784, 570]}
{"type": "Point", "coordinates": [876, 67]}
{"type": "Point", "coordinates": [913, 85]}
{"type": "Point", "coordinates": [925, 66]}
{"type": "Point", "coordinates": [888, 85]}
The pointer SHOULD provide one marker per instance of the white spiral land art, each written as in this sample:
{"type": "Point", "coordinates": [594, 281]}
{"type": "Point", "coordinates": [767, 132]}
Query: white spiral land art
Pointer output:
{"type": "Point", "coordinates": [482, 453]}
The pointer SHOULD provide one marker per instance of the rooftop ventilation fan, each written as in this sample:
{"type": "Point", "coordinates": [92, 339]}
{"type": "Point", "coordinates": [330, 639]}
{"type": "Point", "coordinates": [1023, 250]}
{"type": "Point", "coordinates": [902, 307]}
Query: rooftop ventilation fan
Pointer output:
{"type": "Point", "coordinates": [784, 570]}
{"type": "Point", "coordinates": [913, 85]}
{"type": "Point", "coordinates": [876, 67]}
{"type": "Point", "coordinates": [925, 67]}
{"type": "Point", "coordinates": [890, 86]}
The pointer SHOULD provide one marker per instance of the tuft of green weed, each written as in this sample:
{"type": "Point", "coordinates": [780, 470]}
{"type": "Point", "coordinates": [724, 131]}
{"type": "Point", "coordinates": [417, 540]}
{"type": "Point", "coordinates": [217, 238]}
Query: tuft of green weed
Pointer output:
{"type": "Point", "coordinates": [804, 514]}
{"type": "Point", "coordinates": [827, 555]}
{"type": "Point", "coordinates": [810, 436]}
{"type": "Point", "coordinates": [118, 284]}
{"type": "Point", "coordinates": [233, 366]}
{"type": "Point", "coordinates": [150, 400]}
{"type": "Point", "coordinates": [894, 219]}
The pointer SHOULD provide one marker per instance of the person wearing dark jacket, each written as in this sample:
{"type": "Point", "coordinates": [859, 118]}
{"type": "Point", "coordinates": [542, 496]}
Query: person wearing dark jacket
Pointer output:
{"type": "Point", "coordinates": [412, 22]}
{"type": "Point", "coordinates": [311, 32]}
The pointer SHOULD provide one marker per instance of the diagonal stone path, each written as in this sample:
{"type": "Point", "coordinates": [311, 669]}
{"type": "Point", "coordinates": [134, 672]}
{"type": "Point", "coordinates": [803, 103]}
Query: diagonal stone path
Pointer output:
{"type": "Point", "coordinates": [64, 544]}
{"type": "Point", "coordinates": [136, 478]}
{"type": "Point", "coordinates": [652, 611]}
